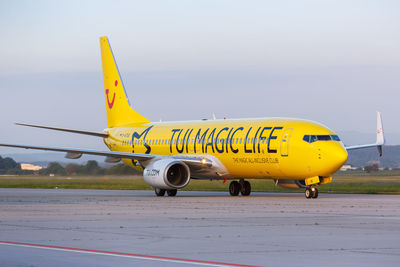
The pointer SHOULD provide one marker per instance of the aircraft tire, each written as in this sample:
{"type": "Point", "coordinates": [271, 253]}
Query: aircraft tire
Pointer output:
{"type": "Point", "coordinates": [314, 193]}
{"type": "Point", "coordinates": [245, 188]}
{"type": "Point", "coordinates": [234, 188]}
{"type": "Point", "coordinates": [159, 192]}
{"type": "Point", "coordinates": [172, 193]}
{"type": "Point", "coordinates": [308, 193]}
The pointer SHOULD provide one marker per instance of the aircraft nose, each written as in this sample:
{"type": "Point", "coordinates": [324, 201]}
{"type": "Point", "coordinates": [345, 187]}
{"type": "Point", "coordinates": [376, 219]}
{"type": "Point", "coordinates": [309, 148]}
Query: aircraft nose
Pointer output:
{"type": "Point", "coordinates": [339, 156]}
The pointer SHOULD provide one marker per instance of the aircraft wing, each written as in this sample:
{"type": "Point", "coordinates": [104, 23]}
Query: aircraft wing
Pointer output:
{"type": "Point", "coordinates": [380, 139]}
{"type": "Point", "coordinates": [112, 156]}
{"type": "Point", "coordinates": [98, 134]}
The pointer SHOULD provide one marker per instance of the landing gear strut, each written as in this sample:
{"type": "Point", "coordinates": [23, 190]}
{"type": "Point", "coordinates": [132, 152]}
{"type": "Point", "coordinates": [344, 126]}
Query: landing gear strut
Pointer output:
{"type": "Point", "coordinates": [311, 192]}
{"type": "Point", "coordinates": [242, 187]}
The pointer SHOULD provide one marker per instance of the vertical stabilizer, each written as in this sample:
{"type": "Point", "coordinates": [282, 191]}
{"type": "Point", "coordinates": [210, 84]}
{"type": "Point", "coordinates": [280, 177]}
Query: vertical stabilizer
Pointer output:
{"type": "Point", "coordinates": [119, 112]}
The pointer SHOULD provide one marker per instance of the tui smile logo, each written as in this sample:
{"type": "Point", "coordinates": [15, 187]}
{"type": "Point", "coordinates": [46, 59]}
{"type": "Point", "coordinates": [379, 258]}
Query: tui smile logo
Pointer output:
{"type": "Point", "coordinates": [111, 104]}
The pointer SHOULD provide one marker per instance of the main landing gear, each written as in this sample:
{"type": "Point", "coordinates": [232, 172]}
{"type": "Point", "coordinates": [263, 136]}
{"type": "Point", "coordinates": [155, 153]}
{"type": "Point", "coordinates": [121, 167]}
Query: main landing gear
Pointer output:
{"type": "Point", "coordinates": [161, 192]}
{"type": "Point", "coordinates": [311, 192]}
{"type": "Point", "coordinates": [242, 186]}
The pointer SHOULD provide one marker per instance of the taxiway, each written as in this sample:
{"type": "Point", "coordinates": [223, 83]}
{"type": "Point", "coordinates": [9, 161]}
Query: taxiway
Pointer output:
{"type": "Point", "coordinates": [135, 228]}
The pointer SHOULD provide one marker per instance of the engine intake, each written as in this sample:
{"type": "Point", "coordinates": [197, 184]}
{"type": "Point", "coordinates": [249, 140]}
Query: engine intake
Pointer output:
{"type": "Point", "coordinates": [167, 174]}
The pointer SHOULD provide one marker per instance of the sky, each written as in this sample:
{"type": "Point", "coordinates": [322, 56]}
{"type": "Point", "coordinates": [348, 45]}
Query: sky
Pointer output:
{"type": "Point", "coordinates": [335, 62]}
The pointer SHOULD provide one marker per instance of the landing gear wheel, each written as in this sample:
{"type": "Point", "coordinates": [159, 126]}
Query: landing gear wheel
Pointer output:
{"type": "Point", "coordinates": [308, 193]}
{"type": "Point", "coordinates": [314, 192]}
{"type": "Point", "coordinates": [172, 193]}
{"type": "Point", "coordinates": [159, 192]}
{"type": "Point", "coordinates": [246, 188]}
{"type": "Point", "coordinates": [234, 188]}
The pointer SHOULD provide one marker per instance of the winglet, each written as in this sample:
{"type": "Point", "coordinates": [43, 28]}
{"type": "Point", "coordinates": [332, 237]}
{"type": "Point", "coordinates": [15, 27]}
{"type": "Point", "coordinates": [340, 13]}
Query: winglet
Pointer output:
{"type": "Point", "coordinates": [380, 138]}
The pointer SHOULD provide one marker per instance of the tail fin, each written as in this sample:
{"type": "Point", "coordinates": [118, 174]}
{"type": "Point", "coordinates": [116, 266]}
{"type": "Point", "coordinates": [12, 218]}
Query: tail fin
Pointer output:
{"type": "Point", "coordinates": [119, 112]}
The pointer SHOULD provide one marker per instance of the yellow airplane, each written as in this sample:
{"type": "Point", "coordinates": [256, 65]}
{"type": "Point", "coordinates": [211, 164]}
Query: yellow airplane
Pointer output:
{"type": "Point", "coordinates": [294, 153]}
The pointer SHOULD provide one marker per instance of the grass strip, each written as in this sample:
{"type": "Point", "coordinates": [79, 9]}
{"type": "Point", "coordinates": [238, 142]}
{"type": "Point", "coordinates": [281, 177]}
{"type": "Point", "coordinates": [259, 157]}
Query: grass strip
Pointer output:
{"type": "Point", "coordinates": [355, 184]}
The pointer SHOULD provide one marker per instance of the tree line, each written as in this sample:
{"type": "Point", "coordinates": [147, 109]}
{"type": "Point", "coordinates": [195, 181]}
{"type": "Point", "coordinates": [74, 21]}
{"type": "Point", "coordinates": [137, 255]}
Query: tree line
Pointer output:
{"type": "Point", "coordinates": [90, 168]}
{"type": "Point", "coordinates": [10, 166]}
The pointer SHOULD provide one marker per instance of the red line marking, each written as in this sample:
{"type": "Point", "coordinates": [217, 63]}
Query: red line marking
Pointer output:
{"type": "Point", "coordinates": [127, 254]}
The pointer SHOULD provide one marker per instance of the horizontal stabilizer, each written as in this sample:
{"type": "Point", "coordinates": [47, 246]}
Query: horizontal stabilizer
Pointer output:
{"type": "Point", "coordinates": [99, 134]}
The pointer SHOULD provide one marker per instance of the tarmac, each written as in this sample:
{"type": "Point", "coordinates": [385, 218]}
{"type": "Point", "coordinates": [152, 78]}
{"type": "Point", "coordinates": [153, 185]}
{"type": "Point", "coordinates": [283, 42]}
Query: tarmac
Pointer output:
{"type": "Point", "coordinates": [57, 227]}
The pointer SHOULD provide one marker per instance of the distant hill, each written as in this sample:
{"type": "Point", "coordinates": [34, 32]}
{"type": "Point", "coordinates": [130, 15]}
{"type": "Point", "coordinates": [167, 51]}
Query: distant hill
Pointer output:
{"type": "Point", "coordinates": [364, 157]}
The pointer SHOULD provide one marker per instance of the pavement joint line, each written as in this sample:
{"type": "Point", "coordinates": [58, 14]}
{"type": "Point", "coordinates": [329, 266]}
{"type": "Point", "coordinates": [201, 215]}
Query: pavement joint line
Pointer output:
{"type": "Point", "coordinates": [125, 255]}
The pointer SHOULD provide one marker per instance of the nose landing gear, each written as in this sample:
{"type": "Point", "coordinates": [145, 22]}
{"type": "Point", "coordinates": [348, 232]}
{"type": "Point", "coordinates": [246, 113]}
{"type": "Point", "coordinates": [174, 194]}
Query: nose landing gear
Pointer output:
{"type": "Point", "coordinates": [311, 192]}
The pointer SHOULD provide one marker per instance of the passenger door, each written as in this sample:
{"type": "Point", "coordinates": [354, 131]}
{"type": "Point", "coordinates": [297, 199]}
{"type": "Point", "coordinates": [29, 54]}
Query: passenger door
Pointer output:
{"type": "Point", "coordinates": [285, 142]}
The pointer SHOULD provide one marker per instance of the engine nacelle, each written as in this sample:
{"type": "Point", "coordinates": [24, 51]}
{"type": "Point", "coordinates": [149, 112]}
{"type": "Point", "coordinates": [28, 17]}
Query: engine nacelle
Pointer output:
{"type": "Point", "coordinates": [167, 174]}
{"type": "Point", "coordinates": [291, 183]}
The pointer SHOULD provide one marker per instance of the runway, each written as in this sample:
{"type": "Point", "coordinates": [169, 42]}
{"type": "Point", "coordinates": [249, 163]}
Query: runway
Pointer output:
{"type": "Point", "coordinates": [135, 228]}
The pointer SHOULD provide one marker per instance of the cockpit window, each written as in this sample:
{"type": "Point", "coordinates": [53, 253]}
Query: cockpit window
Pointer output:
{"type": "Point", "coordinates": [314, 138]}
{"type": "Point", "coordinates": [335, 138]}
{"type": "Point", "coordinates": [324, 137]}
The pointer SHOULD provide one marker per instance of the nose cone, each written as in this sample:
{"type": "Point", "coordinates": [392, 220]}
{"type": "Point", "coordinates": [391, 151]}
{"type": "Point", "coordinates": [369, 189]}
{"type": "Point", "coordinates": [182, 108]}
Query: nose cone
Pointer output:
{"type": "Point", "coordinates": [338, 157]}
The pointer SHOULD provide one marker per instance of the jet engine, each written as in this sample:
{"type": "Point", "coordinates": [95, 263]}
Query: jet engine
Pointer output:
{"type": "Point", "coordinates": [167, 174]}
{"type": "Point", "coordinates": [291, 183]}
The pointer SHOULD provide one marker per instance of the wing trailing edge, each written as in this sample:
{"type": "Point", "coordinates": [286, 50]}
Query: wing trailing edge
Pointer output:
{"type": "Point", "coordinates": [98, 134]}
